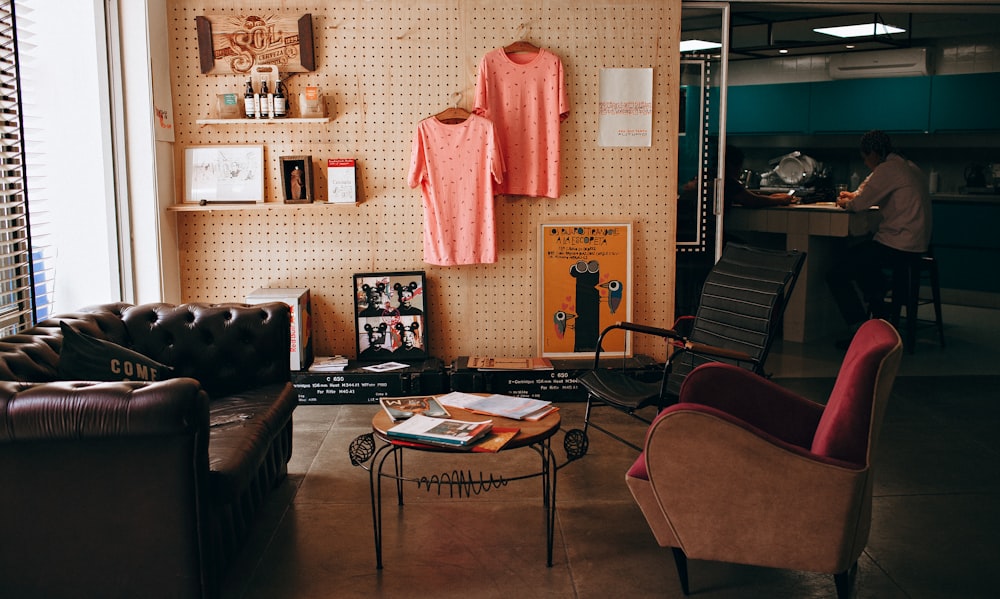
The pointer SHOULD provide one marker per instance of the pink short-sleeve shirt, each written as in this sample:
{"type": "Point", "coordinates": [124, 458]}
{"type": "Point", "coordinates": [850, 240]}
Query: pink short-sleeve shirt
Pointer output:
{"type": "Point", "coordinates": [457, 167]}
{"type": "Point", "coordinates": [525, 97]}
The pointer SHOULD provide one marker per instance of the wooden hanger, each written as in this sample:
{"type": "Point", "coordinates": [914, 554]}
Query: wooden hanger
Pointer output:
{"type": "Point", "coordinates": [453, 115]}
{"type": "Point", "coordinates": [521, 47]}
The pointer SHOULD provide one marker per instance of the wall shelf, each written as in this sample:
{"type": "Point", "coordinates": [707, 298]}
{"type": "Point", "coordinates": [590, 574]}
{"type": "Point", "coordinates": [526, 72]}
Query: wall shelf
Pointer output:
{"type": "Point", "coordinates": [324, 119]}
{"type": "Point", "coordinates": [231, 206]}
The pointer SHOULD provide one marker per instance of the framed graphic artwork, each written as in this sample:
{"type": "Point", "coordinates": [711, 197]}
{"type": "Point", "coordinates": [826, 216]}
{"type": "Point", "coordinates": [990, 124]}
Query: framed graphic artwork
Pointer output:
{"type": "Point", "coordinates": [224, 173]}
{"type": "Point", "coordinates": [296, 179]}
{"type": "Point", "coordinates": [391, 316]}
{"type": "Point", "coordinates": [585, 284]}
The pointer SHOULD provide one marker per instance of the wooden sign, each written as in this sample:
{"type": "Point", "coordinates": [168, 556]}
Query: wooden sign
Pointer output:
{"type": "Point", "coordinates": [229, 44]}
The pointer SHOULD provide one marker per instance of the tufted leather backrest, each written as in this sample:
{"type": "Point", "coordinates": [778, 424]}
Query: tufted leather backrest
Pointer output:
{"type": "Point", "coordinates": [226, 347]}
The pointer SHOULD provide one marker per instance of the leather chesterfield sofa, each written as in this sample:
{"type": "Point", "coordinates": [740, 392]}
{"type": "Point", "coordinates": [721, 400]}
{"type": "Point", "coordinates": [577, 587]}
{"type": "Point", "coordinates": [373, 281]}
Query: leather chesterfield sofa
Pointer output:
{"type": "Point", "coordinates": [137, 488]}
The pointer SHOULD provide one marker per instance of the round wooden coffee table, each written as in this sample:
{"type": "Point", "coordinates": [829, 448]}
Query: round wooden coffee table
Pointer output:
{"type": "Point", "coordinates": [533, 434]}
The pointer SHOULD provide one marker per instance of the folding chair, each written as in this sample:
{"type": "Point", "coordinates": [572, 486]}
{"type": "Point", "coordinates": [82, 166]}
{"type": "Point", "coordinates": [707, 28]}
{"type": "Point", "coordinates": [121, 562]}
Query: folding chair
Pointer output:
{"type": "Point", "coordinates": [740, 312]}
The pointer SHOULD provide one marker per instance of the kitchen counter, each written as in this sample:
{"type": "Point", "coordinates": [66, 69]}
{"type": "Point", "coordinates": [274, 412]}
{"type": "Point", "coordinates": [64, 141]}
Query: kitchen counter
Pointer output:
{"type": "Point", "coordinates": [819, 230]}
{"type": "Point", "coordinates": [966, 198]}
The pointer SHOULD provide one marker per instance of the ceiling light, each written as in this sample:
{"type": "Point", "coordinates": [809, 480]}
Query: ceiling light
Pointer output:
{"type": "Point", "coordinates": [862, 30]}
{"type": "Point", "coordinates": [783, 51]}
{"type": "Point", "coordinates": [695, 45]}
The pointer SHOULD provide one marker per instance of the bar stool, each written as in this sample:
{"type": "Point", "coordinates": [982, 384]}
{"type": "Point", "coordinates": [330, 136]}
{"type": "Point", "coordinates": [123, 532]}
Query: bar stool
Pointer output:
{"type": "Point", "coordinates": [906, 285]}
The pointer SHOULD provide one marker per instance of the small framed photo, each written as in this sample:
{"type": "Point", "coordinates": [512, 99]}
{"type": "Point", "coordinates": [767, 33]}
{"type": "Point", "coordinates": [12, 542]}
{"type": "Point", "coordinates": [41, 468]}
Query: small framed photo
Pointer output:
{"type": "Point", "coordinates": [391, 316]}
{"type": "Point", "coordinates": [296, 179]}
{"type": "Point", "coordinates": [224, 173]}
{"type": "Point", "coordinates": [584, 285]}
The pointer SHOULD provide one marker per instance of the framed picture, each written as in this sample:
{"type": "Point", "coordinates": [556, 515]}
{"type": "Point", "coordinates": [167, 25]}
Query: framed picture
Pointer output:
{"type": "Point", "coordinates": [391, 316]}
{"type": "Point", "coordinates": [585, 284]}
{"type": "Point", "coordinates": [221, 173]}
{"type": "Point", "coordinates": [296, 179]}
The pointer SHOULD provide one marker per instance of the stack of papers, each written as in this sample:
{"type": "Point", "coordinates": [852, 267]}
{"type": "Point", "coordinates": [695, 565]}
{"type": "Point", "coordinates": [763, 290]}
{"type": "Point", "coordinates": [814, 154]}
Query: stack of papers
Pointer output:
{"type": "Point", "coordinates": [487, 363]}
{"type": "Point", "coordinates": [328, 364]}
{"type": "Point", "coordinates": [517, 408]}
{"type": "Point", "coordinates": [440, 431]}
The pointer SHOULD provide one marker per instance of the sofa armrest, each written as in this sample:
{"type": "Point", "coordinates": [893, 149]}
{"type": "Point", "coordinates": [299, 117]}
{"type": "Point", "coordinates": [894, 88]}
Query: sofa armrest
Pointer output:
{"type": "Point", "coordinates": [69, 410]}
{"type": "Point", "coordinates": [107, 485]}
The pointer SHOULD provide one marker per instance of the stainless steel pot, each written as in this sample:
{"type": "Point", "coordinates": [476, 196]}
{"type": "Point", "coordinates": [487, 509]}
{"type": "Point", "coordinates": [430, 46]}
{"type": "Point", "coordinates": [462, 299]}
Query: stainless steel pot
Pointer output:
{"type": "Point", "coordinates": [796, 168]}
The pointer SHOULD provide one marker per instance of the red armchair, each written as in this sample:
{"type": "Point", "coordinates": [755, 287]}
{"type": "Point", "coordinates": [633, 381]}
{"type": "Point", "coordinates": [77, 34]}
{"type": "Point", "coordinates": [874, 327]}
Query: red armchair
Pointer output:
{"type": "Point", "coordinates": [744, 471]}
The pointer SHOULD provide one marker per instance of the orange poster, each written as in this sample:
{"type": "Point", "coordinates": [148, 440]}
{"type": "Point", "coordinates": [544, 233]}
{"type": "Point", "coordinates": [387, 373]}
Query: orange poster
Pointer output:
{"type": "Point", "coordinates": [585, 284]}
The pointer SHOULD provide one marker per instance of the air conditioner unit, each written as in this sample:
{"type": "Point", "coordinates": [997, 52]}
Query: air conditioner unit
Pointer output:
{"type": "Point", "coordinates": [908, 62]}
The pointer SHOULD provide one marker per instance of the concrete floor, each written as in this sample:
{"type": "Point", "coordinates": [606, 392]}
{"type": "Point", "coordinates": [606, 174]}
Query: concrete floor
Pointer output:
{"type": "Point", "coordinates": [934, 533]}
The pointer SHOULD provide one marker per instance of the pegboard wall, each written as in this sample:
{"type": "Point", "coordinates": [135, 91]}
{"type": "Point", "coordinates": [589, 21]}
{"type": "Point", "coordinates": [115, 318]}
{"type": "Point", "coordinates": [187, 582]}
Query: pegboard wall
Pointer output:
{"type": "Point", "coordinates": [384, 66]}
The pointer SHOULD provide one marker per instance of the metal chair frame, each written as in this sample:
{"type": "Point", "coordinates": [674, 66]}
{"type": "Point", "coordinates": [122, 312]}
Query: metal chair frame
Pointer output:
{"type": "Point", "coordinates": [742, 304]}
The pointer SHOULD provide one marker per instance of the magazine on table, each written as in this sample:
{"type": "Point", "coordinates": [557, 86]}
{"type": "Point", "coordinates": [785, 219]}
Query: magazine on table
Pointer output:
{"type": "Point", "coordinates": [401, 408]}
{"type": "Point", "coordinates": [507, 406]}
{"type": "Point", "coordinates": [440, 431]}
{"type": "Point", "coordinates": [491, 442]}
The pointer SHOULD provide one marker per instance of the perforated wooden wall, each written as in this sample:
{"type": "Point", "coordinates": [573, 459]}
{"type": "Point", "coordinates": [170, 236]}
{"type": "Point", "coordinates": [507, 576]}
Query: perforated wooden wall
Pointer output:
{"type": "Point", "coordinates": [385, 65]}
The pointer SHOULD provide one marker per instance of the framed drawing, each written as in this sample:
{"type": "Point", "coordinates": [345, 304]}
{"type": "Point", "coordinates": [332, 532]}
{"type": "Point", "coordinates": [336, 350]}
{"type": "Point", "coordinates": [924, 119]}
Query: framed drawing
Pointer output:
{"type": "Point", "coordinates": [221, 173]}
{"type": "Point", "coordinates": [234, 44]}
{"type": "Point", "coordinates": [296, 179]}
{"type": "Point", "coordinates": [585, 284]}
{"type": "Point", "coordinates": [391, 316]}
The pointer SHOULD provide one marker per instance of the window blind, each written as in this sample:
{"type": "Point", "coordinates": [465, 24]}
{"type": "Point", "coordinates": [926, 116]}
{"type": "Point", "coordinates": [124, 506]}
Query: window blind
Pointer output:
{"type": "Point", "coordinates": [16, 276]}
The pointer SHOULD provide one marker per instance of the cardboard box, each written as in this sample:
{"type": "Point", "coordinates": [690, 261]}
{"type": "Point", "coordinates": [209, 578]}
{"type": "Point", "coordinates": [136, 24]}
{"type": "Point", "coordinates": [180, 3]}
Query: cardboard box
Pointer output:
{"type": "Point", "coordinates": [301, 353]}
{"type": "Point", "coordinates": [557, 385]}
{"type": "Point", "coordinates": [355, 385]}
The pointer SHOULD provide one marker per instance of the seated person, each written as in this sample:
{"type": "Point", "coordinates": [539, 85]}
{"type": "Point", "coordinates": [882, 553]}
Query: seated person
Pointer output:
{"type": "Point", "coordinates": [899, 188]}
{"type": "Point", "coordinates": [735, 193]}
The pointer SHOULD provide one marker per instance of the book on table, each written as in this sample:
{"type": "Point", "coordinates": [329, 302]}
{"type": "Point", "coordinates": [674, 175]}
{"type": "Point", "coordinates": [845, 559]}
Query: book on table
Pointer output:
{"type": "Point", "coordinates": [440, 431]}
{"type": "Point", "coordinates": [491, 442]}
{"type": "Point", "coordinates": [401, 408]}
{"type": "Point", "coordinates": [487, 363]}
{"type": "Point", "coordinates": [507, 406]}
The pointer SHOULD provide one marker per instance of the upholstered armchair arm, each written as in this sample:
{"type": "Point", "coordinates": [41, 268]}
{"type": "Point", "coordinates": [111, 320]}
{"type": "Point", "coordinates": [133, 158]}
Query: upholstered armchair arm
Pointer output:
{"type": "Point", "coordinates": [755, 400]}
{"type": "Point", "coordinates": [731, 492]}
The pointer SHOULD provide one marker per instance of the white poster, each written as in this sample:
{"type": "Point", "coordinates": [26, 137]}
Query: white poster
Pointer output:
{"type": "Point", "coordinates": [626, 109]}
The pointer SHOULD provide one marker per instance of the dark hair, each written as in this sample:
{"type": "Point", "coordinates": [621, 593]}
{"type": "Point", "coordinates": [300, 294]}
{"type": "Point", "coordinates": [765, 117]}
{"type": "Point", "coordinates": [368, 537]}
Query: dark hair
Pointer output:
{"type": "Point", "coordinates": [878, 142]}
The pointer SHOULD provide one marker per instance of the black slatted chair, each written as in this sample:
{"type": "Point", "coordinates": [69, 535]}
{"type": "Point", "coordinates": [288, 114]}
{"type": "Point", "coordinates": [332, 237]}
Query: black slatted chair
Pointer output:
{"type": "Point", "coordinates": [739, 315]}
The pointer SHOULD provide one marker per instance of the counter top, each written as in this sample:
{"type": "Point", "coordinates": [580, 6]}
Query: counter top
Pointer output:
{"type": "Point", "coordinates": [966, 198]}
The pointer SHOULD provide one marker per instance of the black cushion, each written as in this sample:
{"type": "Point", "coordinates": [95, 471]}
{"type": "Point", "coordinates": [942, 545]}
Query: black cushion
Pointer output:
{"type": "Point", "coordinates": [88, 358]}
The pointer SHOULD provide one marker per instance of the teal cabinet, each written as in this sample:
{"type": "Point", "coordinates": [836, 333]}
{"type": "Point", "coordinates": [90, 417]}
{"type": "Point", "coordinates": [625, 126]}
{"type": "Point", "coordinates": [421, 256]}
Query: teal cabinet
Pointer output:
{"type": "Point", "coordinates": [965, 102]}
{"type": "Point", "coordinates": [782, 108]}
{"type": "Point", "coordinates": [858, 105]}
{"type": "Point", "coordinates": [966, 245]}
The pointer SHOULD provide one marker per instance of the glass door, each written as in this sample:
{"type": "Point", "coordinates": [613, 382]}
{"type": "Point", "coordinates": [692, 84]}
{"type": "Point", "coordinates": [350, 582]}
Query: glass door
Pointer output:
{"type": "Point", "coordinates": [702, 92]}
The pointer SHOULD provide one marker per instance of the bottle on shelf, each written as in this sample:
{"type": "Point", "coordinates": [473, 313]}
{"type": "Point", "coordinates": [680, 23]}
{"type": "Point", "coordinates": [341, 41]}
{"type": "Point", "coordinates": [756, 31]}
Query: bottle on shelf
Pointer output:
{"type": "Point", "coordinates": [855, 181]}
{"type": "Point", "coordinates": [280, 100]}
{"type": "Point", "coordinates": [266, 99]}
{"type": "Point", "coordinates": [250, 100]}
